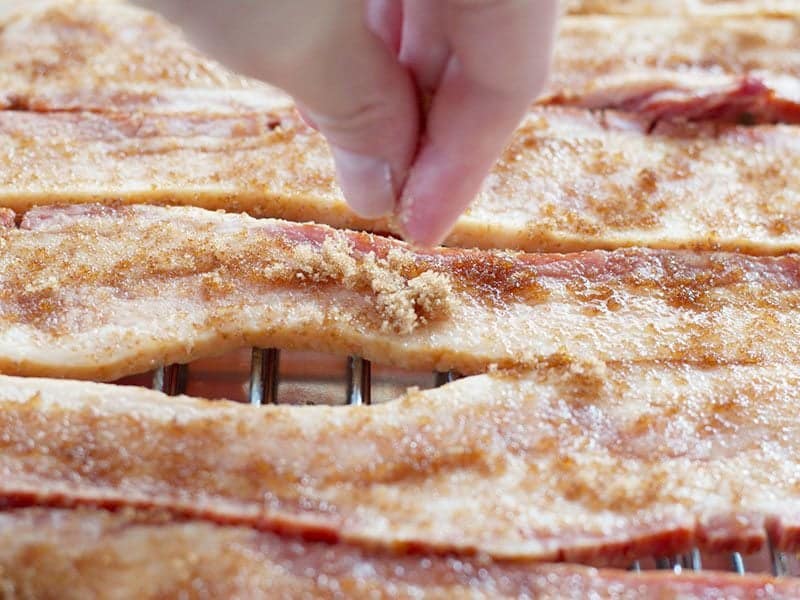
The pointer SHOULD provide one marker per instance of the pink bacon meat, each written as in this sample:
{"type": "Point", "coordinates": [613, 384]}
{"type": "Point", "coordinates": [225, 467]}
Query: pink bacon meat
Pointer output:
{"type": "Point", "coordinates": [81, 554]}
{"type": "Point", "coordinates": [741, 69]}
{"type": "Point", "coordinates": [101, 292]}
{"type": "Point", "coordinates": [569, 462]}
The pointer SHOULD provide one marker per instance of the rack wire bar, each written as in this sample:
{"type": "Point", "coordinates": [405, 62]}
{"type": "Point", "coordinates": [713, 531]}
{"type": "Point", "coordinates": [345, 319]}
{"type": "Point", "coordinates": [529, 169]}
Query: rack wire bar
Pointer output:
{"type": "Point", "coordinates": [778, 559]}
{"type": "Point", "coordinates": [677, 563]}
{"type": "Point", "coordinates": [358, 381]}
{"type": "Point", "coordinates": [264, 380]}
{"type": "Point", "coordinates": [171, 379]}
{"type": "Point", "coordinates": [663, 563]}
{"type": "Point", "coordinates": [672, 563]}
{"type": "Point", "coordinates": [692, 560]}
{"type": "Point", "coordinates": [737, 563]}
{"type": "Point", "coordinates": [264, 376]}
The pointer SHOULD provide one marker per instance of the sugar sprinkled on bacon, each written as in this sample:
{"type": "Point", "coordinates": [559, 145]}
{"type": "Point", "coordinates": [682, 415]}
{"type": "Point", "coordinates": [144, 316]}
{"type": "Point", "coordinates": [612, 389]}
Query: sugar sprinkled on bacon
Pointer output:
{"type": "Point", "coordinates": [573, 461]}
{"type": "Point", "coordinates": [52, 552]}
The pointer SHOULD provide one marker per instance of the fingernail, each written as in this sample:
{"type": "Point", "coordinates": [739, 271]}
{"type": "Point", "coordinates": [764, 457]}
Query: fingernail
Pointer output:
{"type": "Point", "coordinates": [306, 117]}
{"type": "Point", "coordinates": [366, 183]}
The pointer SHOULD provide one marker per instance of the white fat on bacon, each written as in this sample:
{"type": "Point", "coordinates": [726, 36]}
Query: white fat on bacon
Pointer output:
{"type": "Point", "coordinates": [717, 69]}
{"type": "Point", "coordinates": [112, 57]}
{"type": "Point", "coordinates": [568, 179]}
{"type": "Point", "coordinates": [91, 553]}
{"type": "Point", "coordinates": [100, 292]}
{"type": "Point", "coordinates": [570, 461]}
{"type": "Point", "coordinates": [688, 8]}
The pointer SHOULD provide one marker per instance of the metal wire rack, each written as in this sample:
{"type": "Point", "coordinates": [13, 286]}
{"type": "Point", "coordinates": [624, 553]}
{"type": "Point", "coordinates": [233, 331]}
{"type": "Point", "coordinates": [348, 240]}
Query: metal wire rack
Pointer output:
{"type": "Point", "coordinates": [263, 389]}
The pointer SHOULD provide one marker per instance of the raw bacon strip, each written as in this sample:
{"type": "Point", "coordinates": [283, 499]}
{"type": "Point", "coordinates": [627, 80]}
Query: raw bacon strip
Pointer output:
{"type": "Point", "coordinates": [268, 164]}
{"type": "Point", "coordinates": [733, 69]}
{"type": "Point", "coordinates": [576, 462]}
{"type": "Point", "coordinates": [100, 292]}
{"type": "Point", "coordinates": [689, 8]}
{"type": "Point", "coordinates": [60, 56]}
{"type": "Point", "coordinates": [112, 57]}
{"type": "Point", "coordinates": [81, 554]}
{"type": "Point", "coordinates": [568, 180]}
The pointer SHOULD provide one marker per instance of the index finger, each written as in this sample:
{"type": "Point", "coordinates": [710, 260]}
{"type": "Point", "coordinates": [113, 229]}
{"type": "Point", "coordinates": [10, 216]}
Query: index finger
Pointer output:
{"type": "Point", "coordinates": [499, 63]}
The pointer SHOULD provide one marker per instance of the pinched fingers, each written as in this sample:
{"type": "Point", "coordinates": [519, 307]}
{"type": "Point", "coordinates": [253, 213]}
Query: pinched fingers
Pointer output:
{"type": "Point", "coordinates": [342, 73]}
{"type": "Point", "coordinates": [481, 62]}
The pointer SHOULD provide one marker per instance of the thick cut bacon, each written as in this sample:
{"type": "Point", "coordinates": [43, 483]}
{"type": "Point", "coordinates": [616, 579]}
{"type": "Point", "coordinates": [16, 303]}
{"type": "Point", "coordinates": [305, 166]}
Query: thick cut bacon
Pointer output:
{"type": "Point", "coordinates": [572, 180]}
{"type": "Point", "coordinates": [268, 164]}
{"type": "Point", "coordinates": [93, 554]}
{"type": "Point", "coordinates": [108, 56]}
{"type": "Point", "coordinates": [731, 69]}
{"type": "Point", "coordinates": [112, 57]}
{"type": "Point", "coordinates": [576, 462]}
{"type": "Point", "coordinates": [100, 292]}
{"type": "Point", "coordinates": [688, 8]}
{"type": "Point", "coordinates": [568, 180]}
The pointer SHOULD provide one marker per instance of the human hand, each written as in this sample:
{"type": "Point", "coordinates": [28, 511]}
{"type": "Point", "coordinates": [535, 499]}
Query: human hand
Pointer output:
{"type": "Point", "coordinates": [417, 98]}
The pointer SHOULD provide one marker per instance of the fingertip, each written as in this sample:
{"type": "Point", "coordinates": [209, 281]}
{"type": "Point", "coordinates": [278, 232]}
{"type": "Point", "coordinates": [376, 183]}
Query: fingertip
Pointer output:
{"type": "Point", "coordinates": [421, 222]}
{"type": "Point", "coordinates": [366, 182]}
{"type": "Point", "coordinates": [422, 237]}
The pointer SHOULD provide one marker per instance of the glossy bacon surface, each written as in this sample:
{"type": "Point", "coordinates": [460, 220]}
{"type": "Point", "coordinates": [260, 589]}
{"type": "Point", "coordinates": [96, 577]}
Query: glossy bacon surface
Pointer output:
{"type": "Point", "coordinates": [111, 57]}
{"type": "Point", "coordinates": [185, 131]}
{"type": "Point", "coordinates": [688, 8]}
{"type": "Point", "coordinates": [568, 180]}
{"type": "Point", "coordinates": [724, 62]}
{"type": "Point", "coordinates": [93, 554]}
{"type": "Point", "coordinates": [719, 69]}
{"type": "Point", "coordinates": [574, 180]}
{"type": "Point", "coordinates": [100, 292]}
{"type": "Point", "coordinates": [573, 461]}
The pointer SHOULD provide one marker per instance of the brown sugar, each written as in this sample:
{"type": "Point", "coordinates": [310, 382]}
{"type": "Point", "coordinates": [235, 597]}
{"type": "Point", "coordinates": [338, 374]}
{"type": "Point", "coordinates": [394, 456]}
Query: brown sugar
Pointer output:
{"type": "Point", "coordinates": [403, 297]}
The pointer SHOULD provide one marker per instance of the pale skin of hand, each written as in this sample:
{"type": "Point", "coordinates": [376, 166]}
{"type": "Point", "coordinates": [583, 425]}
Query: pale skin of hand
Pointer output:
{"type": "Point", "coordinates": [417, 98]}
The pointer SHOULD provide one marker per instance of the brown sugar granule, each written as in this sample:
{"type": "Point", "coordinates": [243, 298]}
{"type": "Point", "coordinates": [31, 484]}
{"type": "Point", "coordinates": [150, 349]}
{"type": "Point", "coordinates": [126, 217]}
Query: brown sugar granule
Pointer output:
{"type": "Point", "coordinates": [403, 297]}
